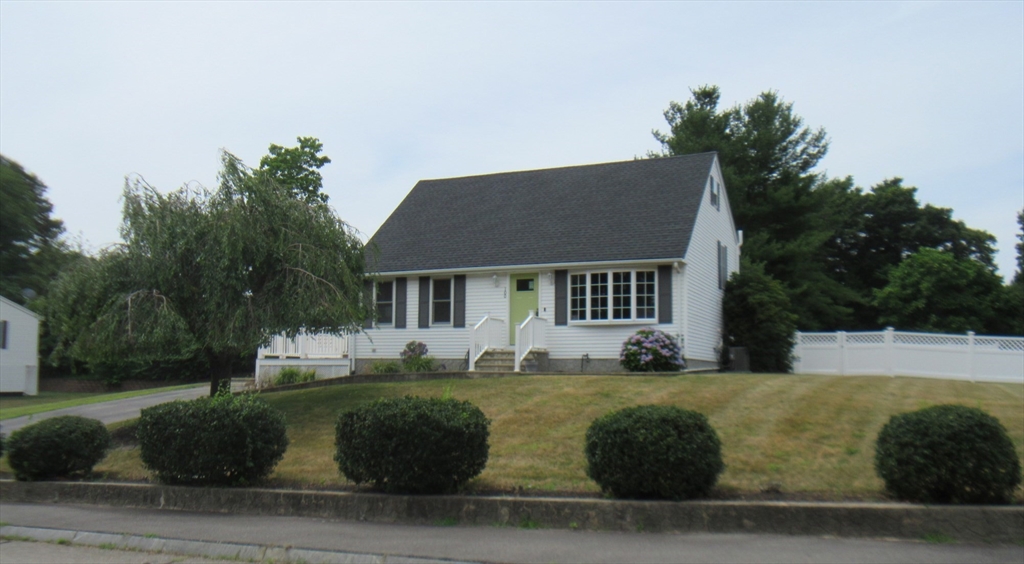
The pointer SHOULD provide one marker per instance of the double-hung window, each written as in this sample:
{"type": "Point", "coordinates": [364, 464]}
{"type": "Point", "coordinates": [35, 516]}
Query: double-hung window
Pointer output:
{"type": "Point", "coordinates": [578, 297]}
{"type": "Point", "coordinates": [442, 300]}
{"type": "Point", "coordinates": [613, 295]}
{"type": "Point", "coordinates": [385, 302]}
{"type": "Point", "coordinates": [716, 194]}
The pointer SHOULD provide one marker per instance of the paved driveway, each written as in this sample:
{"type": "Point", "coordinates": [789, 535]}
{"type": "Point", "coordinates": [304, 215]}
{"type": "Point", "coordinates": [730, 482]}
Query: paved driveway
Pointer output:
{"type": "Point", "coordinates": [109, 411]}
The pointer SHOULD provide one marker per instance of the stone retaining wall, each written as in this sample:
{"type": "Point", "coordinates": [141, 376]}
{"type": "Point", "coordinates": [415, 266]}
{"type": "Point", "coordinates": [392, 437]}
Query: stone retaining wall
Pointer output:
{"type": "Point", "coordinates": [878, 520]}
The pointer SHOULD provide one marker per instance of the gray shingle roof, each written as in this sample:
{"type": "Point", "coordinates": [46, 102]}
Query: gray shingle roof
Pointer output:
{"type": "Point", "coordinates": [630, 210]}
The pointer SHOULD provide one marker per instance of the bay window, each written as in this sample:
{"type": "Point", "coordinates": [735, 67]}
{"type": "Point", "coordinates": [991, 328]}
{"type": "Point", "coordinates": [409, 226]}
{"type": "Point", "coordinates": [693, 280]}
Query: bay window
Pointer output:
{"type": "Point", "coordinates": [613, 295]}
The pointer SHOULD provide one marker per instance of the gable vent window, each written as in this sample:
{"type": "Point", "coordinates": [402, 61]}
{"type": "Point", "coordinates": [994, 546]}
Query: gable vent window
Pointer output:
{"type": "Point", "coordinates": [385, 302]}
{"type": "Point", "coordinates": [615, 295]}
{"type": "Point", "coordinates": [442, 302]}
{"type": "Point", "coordinates": [716, 194]}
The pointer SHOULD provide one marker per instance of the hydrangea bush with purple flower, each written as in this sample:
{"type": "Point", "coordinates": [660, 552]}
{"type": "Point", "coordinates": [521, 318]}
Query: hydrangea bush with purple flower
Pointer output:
{"type": "Point", "coordinates": [415, 359]}
{"type": "Point", "coordinates": [651, 350]}
{"type": "Point", "coordinates": [413, 350]}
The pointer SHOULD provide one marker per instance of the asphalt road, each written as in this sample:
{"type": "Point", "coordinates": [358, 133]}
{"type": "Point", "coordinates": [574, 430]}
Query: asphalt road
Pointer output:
{"type": "Point", "coordinates": [375, 541]}
{"type": "Point", "coordinates": [109, 411]}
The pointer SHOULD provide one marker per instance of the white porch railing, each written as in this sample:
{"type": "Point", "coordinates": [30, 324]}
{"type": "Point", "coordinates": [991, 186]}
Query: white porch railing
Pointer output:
{"type": "Point", "coordinates": [531, 335]}
{"type": "Point", "coordinates": [306, 346]}
{"type": "Point", "coordinates": [930, 355]}
{"type": "Point", "coordinates": [485, 335]}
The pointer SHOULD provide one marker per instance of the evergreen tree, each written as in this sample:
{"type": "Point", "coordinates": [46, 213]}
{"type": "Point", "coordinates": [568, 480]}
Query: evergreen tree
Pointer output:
{"type": "Point", "coordinates": [767, 157]}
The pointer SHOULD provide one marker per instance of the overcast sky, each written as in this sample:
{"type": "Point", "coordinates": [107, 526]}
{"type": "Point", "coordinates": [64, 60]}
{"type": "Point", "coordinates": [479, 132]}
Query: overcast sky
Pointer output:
{"type": "Point", "coordinates": [398, 92]}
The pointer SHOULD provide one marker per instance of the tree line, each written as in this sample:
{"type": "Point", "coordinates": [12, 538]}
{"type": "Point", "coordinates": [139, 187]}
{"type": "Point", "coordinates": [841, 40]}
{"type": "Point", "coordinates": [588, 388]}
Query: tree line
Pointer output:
{"type": "Point", "coordinates": [845, 257]}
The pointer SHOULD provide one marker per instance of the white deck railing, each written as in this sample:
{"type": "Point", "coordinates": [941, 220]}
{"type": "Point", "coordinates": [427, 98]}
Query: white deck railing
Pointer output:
{"type": "Point", "coordinates": [530, 336]}
{"type": "Point", "coordinates": [306, 346]}
{"type": "Point", "coordinates": [901, 353]}
{"type": "Point", "coordinates": [485, 335]}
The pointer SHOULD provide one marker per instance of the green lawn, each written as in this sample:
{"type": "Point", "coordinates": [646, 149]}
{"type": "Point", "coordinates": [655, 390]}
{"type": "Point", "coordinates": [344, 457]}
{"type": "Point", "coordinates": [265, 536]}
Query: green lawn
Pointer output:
{"type": "Point", "coordinates": [17, 406]}
{"type": "Point", "coordinates": [808, 434]}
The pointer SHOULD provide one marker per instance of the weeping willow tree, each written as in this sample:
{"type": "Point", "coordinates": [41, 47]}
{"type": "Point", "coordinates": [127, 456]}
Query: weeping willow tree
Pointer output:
{"type": "Point", "coordinates": [211, 273]}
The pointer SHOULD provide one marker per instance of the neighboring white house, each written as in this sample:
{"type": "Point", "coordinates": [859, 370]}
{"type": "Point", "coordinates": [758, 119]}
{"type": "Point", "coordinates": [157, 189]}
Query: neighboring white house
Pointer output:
{"type": "Point", "coordinates": [555, 267]}
{"type": "Point", "coordinates": [19, 349]}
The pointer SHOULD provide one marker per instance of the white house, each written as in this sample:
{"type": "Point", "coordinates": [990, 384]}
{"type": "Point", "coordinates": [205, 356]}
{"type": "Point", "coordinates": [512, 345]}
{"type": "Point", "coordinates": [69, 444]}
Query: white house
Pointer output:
{"type": "Point", "coordinates": [554, 267]}
{"type": "Point", "coordinates": [19, 349]}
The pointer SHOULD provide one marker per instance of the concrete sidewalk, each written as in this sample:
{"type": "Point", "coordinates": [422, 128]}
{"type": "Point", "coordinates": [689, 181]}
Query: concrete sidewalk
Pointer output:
{"type": "Point", "coordinates": [294, 539]}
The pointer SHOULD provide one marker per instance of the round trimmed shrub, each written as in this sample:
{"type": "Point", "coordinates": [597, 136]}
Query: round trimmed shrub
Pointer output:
{"type": "Point", "coordinates": [59, 447]}
{"type": "Point", "coordinates": [412, 445]}
{"type": "Point", "coordinates": [223, 440]}
{"type": "Point", "coordinates": [653, 451]}
{"type": "Point", "coordinates": [947, 454]}
{"type": "Point", "coordinates": [651, 350]}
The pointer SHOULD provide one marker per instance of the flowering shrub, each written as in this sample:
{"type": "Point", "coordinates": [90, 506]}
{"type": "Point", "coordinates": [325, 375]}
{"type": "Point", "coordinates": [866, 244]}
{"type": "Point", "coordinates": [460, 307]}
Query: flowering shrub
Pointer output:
{"type": "Point", "coordinates": [415, 359]}
{"type": "Point", "coordinates": [650, 350]}
{"type": "Point", "coordinates": [413, 350]}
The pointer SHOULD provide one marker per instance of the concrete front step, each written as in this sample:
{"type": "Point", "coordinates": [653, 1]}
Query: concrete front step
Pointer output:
{"type": "Point", "coordinates": [497, 360]}
{"type": "Point", "coordinates": [503, 360]}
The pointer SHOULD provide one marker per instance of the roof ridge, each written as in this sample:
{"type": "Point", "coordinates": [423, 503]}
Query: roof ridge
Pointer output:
{"type": "Point", "coordinates": [568, 167]}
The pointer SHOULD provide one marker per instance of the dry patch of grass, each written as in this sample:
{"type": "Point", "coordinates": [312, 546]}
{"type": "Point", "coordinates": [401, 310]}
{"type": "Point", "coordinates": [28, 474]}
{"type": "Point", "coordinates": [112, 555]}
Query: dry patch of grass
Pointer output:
{"type": "Point", "coordinates": [799, 433]}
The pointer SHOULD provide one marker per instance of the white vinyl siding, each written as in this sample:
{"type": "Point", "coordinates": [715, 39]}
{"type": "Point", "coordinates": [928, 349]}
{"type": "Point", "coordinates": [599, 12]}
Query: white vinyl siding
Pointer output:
{"type": "Point", "coordinates": [443, 341]}
{"type": "Point", "coordinates": [603, 339]}
{"type": "Point", "coordinates": [19, 360]}
{"type": "Point", "coordinates": [703, 297]}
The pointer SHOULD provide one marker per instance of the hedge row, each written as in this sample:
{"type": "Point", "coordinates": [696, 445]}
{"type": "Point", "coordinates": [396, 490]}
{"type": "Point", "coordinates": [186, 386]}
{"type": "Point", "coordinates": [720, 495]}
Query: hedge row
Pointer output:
{"type": "Point", "coordinates": [942, 454]}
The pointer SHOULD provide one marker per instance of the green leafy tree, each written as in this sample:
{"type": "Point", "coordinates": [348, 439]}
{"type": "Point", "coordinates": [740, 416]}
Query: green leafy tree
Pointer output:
{"type": "Point", "coordinates": [757, 316]}
{"type": "Point", "coordinates": [933, 290]}
{"type": "Point", "coordinates": [875, 231]}
{"type": "Point", "coordinates": [31, 251]}
{"type": "Point", "coordinates": [211, 273]}
{"type": "Point", "coordinates": [298, 168]}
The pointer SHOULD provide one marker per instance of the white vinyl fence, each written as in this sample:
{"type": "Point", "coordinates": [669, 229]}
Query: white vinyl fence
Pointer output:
{"type": "Point", "coordinates": [899, 353]}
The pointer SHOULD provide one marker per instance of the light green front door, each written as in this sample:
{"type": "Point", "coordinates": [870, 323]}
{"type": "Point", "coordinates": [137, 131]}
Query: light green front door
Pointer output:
{"type": "Point", "coordinates": [522, 300]}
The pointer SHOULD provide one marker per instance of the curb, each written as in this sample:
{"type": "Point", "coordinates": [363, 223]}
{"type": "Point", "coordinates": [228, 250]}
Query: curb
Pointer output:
{"type": "Point", "coordinates": [865, 520]}
{"type": "Point", "coordinates": [217, 550]}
